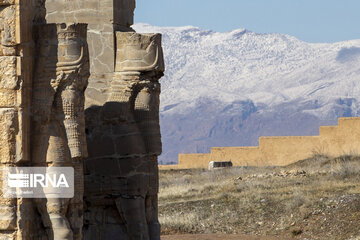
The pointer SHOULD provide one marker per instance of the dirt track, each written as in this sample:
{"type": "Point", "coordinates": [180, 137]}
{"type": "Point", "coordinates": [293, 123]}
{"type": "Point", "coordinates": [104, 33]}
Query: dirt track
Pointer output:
{"type": "Point", "coordinates": [219, 237]}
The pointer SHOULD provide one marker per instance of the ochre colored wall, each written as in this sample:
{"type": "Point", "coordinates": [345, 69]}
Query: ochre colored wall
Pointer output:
{"type": "Point", "coordinates": [239, 156]}
{"type": "Point", "coordinates": [342, 139]}
{"type": "Point", "coordinates": [278, 151]}
{"type": "Point", "coordinates": [193, 160]}
{"type": "Point", "coordinates": [281, 151]}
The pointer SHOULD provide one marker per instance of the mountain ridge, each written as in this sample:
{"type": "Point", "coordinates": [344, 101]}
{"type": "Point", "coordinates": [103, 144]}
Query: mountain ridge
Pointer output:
{"type": "Point", "coordinates": [227, 89]}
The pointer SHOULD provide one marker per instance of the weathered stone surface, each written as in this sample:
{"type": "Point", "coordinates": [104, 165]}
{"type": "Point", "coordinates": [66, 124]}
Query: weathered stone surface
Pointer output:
{"type": "Point", "coordinates": [103, 18]}
{"type": "Point", "coordinates": [123, 14]}
{"type": "Point", "coordinates": [139, 52]}
{"type": "Point", "coordinates": [124, 141]}
{"type": "Point", "coordinates": [19, 218]}
{"type": "Point", "coordinates": [8, 217]}
{"type": "Point", "coordinates": [8, 209]}
{"type": "Point", "coordinates": [61, 75]}
{"type": "Point", "coordinates": [101, 48]}
{"type": "Point", "coordinates": [8, 29]}
{"type": "Point", "coordinates": [122, 119]}
{"type": "Point", "coordinates": [8, 25]}
{"type": "Point", "coordinates": [104, 223]}
{"type": "Point", "coordinates": [8, 98]}
{"type": "Point", "coordinates": [9, 79]}
{"type": "Point", "coordinates": [14, 108]}
{"type": "Point", "coordinates": [8, 130]}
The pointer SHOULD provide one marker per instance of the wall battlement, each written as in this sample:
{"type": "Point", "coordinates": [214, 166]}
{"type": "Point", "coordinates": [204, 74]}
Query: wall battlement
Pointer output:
{"type": "Point", "coordinates": [283, 150]}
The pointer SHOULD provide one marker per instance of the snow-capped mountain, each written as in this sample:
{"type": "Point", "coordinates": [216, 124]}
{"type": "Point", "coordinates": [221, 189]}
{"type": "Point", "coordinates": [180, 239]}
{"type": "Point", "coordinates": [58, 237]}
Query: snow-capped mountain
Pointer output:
{"type": "Point", "coordinates": [227, 89]}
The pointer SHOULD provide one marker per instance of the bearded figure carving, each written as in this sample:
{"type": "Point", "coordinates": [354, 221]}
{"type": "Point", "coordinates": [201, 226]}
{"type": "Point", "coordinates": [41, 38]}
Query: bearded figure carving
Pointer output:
{"type": "Point", "coordinates": [58, 124]}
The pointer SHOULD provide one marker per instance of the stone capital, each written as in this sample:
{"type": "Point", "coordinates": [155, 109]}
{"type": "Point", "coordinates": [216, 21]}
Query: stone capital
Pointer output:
{"type": "Point", "coordinates": [139, 52]}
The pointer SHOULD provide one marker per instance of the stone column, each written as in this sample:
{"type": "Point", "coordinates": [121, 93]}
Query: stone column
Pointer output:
{"type": "Point", "coordinates": [16, 58]}
{"type": "Point", "coordinates": [139, 66]}
{"type": "Point", "coordinates": [58, 130]}
{"type": "Point", "coordinates": [123, 176]}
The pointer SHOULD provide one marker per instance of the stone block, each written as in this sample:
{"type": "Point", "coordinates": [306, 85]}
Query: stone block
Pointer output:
{"type": "Point", "coordinates": [109, 166]}
{"type": "Point", "coordinates": [8, 98]}
{"type": "Point", "coordinates": [8, 78]}
{"type": "Point", "coordinates": [101, 146]}
{"type": "Point", "coordinates": [93, 186]}
{"type": "Point", "coordinates": [89, 11]}
{"type": "Point", "coordinates": [8, 25]}
{"type": "Point", "coordinates": [130, 145]}
{"type": "Point", "coordinates": [8, 208]}
{"type": "Point", "coordinates": [118, 185]}
{"type": "Point", "coordinates": [101, 49]}
{"type": "Point", "coordinates": [128, 166]}
{"type": "Point", "coordinates": [8, 218]}
{"type": "Point", "coordinates": [8, 131]}
{"type": "Point", "coordinates": [124, 5]}
{"type": "Point", "coordinates": [13, 136]}
{"type": "Point", "coordinates": [124, 12]}
{"type": "Point", "coordinates": [137, 185]}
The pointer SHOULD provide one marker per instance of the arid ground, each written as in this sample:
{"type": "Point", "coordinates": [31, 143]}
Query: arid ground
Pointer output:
{"type": "Point", "coordinates": [317, 198]}
{"type": "Point", "coordinates": [219, 236]}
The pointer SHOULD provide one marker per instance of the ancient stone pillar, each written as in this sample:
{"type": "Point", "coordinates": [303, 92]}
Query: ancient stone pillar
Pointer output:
{"type": "Point", "coordinates": [11, 108]}
{"type": "Point", "coordinates": [139, 66]}
{"type": "Point", "coordinates": [121, 179]}
{"type": "Point", "coordinates": [17, 218]}
{"type": "Point", "coordinates": [58, 129]}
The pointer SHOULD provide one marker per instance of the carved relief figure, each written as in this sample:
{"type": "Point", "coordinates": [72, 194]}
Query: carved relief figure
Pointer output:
{"type": "Point", "coordinates": [139, 66]}
{"type": "Point", "coordinates": [61, 77]}
{"type": "Point", "coordinates": [121, 176]}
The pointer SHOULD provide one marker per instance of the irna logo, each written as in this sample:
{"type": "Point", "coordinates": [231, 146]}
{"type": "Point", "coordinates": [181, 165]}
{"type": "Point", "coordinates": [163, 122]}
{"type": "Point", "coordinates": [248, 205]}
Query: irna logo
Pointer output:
{"type": "Point", "coordinates": [37, 180]}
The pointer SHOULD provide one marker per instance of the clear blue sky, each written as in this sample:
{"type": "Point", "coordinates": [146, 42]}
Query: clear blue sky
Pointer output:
{"type": "Point", "coordinates": [308, 20]}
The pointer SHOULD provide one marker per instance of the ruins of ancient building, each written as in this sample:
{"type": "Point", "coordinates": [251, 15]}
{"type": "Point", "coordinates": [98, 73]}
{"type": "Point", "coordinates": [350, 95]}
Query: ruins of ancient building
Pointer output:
{"type": "Point", "coordinates": [122, 119]}
{"type": "Point", "coordinates": [45, 56]}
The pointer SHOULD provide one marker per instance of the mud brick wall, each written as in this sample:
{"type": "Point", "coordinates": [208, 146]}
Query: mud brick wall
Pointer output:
{"type": "Point", "coordinates": [332, 140]}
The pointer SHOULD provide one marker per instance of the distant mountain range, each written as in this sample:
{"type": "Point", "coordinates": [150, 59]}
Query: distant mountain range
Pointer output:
{"type": "Point", "coordinates": [227, 89]}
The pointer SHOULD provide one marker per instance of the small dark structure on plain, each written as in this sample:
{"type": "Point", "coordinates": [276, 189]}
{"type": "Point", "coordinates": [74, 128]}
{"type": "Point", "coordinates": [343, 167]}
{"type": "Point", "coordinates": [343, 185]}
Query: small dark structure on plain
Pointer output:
{"type": "Point", "coordinates": [217, 165]}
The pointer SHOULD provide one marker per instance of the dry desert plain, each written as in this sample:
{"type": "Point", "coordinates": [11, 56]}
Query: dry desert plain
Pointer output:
{"type": "Point", "coordinates": [317, 198]}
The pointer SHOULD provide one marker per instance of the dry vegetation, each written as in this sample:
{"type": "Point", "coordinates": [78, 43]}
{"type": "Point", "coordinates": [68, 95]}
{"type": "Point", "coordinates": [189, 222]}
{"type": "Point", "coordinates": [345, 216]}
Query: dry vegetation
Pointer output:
{"type": "Point", "coordinates": [317, 198]}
